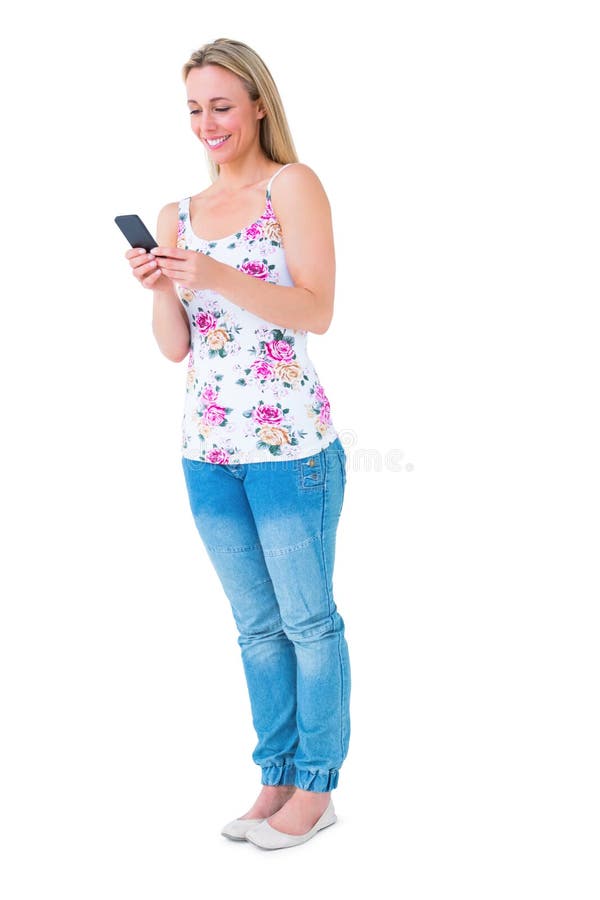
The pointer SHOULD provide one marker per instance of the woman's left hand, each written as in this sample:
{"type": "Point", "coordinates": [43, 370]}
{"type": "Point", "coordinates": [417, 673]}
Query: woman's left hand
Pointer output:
{"type": "Point", "coordinates": [189, 268]}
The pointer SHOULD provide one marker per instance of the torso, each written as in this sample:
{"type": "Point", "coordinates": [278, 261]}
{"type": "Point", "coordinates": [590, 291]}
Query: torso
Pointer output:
{"type": "Point", "coordinates": [252, 391]}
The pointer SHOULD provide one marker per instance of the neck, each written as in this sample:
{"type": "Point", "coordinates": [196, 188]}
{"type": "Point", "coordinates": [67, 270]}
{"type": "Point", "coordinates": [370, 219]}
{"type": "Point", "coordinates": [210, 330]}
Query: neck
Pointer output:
{"type": "Point", "coordinates": [245, 172]}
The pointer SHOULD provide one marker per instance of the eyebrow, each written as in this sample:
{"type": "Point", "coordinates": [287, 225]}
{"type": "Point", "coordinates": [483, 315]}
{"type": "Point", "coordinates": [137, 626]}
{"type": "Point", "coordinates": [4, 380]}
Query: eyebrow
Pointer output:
{"type": "Point", "coordinates": [212, 100]}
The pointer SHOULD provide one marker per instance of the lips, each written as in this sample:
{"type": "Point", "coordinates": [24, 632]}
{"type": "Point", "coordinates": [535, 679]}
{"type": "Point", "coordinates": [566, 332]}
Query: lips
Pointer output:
{"type": "Point", "coordinates": [218, 141]}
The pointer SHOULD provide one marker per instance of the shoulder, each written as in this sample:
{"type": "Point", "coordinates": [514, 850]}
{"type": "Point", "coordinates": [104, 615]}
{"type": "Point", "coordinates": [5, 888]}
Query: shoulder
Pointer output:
{"type": "Point", "coordinates": [169, 213]}
{"type": "Point", "coordinates": [297, 176]}
{"type": "Point", "coordinates": [298, 183]}
{"type": "Point", "coordinates": [168, 220]}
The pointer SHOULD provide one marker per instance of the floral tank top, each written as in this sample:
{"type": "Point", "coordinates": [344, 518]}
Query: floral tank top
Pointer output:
{"type": "Point", "coordinates": [252, 393]}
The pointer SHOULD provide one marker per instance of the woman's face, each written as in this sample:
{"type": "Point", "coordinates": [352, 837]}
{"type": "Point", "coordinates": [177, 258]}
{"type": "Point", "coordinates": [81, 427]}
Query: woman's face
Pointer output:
{"type": "Point", "coordinates": [222, 114]}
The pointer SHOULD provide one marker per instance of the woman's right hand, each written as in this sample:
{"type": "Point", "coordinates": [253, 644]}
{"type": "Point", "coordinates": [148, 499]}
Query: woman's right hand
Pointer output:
{"type": "Point", "coordinates": [145, 269]}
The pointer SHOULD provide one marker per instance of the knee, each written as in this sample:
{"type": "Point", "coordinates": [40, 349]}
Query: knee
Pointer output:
{"type": "Point", "coordinates": [313, 630]}
{"type": "Point", "coordinates": [252, 634]}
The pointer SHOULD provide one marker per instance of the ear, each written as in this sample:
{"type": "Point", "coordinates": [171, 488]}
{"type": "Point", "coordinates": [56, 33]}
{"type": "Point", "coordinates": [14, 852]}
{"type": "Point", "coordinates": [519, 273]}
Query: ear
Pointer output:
{"type": "Point", "coordinates": [261, 113]}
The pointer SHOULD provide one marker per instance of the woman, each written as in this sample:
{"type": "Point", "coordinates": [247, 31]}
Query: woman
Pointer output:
{"type": "Point", "coordinates": [263, 464]}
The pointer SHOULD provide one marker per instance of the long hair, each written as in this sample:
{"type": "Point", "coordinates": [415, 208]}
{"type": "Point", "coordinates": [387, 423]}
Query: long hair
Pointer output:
{"type": "Point", "coordinates": [275, 136]}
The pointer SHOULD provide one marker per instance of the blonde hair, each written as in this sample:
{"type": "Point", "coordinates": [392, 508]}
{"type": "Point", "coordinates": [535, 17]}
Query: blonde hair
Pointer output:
{"type": "Point", "coordinates": [275, 136]}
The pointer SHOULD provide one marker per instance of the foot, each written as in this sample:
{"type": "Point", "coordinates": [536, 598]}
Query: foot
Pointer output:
{"type": "Point", "coordinates": [270, 800]}
{"type": "Point", "coordinates": [301, 812]}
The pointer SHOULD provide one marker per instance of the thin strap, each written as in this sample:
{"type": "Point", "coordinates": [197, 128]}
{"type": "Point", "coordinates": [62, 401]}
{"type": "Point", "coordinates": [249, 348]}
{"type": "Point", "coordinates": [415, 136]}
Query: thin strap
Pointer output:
{"type": "Point", "coordinates": [183, 220]}
{"type": "Point", "coordinates": [184, 209]}
{"type": "Point", "coordinates": [274, 176]}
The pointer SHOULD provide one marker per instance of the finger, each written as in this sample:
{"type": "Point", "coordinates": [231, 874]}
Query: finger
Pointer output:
{"type": "Point", "coordinates": [179, 277]}
{"type": "Point", "coordinates": [172, 269]}
{"type": "Point", "coordinates": [134, 252]}
{"type": "Point", "coordinates": [149, 280]}
{"type": "Point", "coordinates": [150, 266]}
{"type": "Point", "coordinates": [143, 264]}
{"type": "Point", "coordinates": [171, 252]}
{"type": "Point", "coordinates": [136, 261]}
{"type": "Point", "coordinates": [140, 272]}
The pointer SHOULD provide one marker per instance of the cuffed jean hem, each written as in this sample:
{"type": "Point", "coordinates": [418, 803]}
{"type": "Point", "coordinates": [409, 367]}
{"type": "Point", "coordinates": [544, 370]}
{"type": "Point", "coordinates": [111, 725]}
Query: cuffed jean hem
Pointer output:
{"type": "Point", "coordinates": [305, 779]}
{"type": "Point", "coordinates": [274, 775]}
{"type": "Point", "coordinates": [308, 780]}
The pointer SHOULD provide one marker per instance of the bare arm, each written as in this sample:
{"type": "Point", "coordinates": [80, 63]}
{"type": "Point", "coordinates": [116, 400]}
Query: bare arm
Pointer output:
{"type": "Point", "coordinates": [303, 211]}
{"type": "Point", "coordinates": [170, 323]}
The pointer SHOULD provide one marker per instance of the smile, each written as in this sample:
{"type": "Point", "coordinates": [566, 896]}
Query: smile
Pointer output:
{"type": "Point", "coordinates": [217, 141]}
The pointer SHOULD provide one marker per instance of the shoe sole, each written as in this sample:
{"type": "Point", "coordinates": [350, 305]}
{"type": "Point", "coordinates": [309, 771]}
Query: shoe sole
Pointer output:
{"type": "Point", "coordinates": [296, 843]}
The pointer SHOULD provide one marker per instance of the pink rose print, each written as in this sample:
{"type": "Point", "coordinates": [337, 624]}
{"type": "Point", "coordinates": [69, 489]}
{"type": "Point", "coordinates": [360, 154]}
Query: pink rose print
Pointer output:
{"type": "Point", "coordinates": [217, 455]}
{"type": "Point", "coordinates": [208, 395]}
{"type": "Point", "coordinates": [325, 414]}
{"type": "Point", "coordinates": [180, 229]}
{"type": "Point", "coordinates": [280, 350]}
{"type": "Point", "coordinates": [272, 432]}
{"type": "Point", "coordinates": [253, 232]}
{"type": "Point", "coordinates": [214, 414]}
{"type": "Point", "coordinates": [267, 415]}
{"type": "Point", "coordinates": [320, 409]}
{"type": "Point", "coordinates": [190, 359]}
{"type": "Point", "coordinates": [262, 368]}
{"type": "Point", "coordinates": [255, 268]}
{"type": "Point", "coordinates": [205, 322]}
{"type": "Point", "coordinates": [320, 394]}
{"type": "Point", "coordinates": [269, 211]}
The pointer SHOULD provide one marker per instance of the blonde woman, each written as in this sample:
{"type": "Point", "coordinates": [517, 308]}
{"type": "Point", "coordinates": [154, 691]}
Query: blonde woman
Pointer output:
{"type": "Point", "coordinates": [244, 270]}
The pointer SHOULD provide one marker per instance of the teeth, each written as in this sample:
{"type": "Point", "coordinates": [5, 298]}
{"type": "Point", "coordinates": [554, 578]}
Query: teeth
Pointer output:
{"type": "Point", "coordinates": [217, 141]}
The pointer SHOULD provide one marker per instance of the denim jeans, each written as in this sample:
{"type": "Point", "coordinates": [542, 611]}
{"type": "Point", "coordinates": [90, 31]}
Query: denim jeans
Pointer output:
{"type": "Point", "coordinates": [269, 529]}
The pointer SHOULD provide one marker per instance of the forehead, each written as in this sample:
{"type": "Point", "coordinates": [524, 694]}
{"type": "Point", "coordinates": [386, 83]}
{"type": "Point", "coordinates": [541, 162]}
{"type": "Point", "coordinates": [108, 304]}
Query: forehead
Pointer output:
{"type": "Point", "coordinates": [213, 81]}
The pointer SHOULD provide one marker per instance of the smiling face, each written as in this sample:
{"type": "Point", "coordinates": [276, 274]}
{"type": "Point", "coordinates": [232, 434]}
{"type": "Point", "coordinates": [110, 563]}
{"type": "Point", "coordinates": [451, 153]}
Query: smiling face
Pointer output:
{"type": "Point", "coordinates": [222, 114]}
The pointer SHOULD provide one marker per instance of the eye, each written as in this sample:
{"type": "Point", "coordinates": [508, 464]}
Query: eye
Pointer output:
{"type": "Point", "coordinates": [194, 112]}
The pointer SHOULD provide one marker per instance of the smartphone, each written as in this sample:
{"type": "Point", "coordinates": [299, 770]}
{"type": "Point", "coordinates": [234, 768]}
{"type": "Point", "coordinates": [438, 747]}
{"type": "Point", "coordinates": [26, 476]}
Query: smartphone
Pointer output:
{"type": "Point", "coordinates": [136, 232]}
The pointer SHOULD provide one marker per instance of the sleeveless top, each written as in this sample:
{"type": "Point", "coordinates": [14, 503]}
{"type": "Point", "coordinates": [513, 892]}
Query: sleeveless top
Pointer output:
{"type": "Point", "coordinates": [252, 393]}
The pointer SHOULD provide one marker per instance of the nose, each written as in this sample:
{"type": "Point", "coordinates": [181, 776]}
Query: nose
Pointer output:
{"type": "Point", "coordinates": [205, 120]}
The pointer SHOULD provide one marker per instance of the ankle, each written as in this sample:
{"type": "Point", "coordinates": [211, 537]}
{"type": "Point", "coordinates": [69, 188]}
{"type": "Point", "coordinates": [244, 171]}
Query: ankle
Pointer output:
{"type": "Point", "coordinates": [312, 798]}
{"type": "Point", "coordinates": [278, 790]}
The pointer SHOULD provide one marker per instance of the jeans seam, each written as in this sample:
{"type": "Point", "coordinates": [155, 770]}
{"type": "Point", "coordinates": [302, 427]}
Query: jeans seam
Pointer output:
{"type": "Point", "coordinates": [323, 557]}
{"type": "Point", "coordinates": [253, 587]}
{"type": "Point", "coordinates": [233, 549]}
{"type": "Point", "coordinates": [282, 551]}
{"type": "Point", "coordinates": [342, 697]}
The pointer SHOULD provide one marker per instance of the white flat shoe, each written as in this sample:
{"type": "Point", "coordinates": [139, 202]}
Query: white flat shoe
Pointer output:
{"type": "Point", "coordinates": [268, 838]}
{"type": "Point", "coordinates": [236, 830]}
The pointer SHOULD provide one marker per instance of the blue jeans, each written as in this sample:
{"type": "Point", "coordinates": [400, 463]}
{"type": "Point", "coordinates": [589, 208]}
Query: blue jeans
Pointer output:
{"type": "Point", "coordinates": [269, 529]}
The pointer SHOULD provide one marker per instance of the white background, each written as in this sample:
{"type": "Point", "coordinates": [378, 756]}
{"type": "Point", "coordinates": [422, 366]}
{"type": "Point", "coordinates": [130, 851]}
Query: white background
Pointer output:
{"type": "Point", "coordinates": [458, 144]}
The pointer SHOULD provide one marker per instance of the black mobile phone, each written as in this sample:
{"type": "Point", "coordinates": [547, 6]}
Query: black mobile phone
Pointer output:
{"type": "Point", "coordinates": [136, 232]}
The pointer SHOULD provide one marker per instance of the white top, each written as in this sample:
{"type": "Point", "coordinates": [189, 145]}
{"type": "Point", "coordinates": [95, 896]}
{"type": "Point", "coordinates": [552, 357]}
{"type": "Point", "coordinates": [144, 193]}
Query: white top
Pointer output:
{"type": "Point", "coordinates": [252, 392]}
